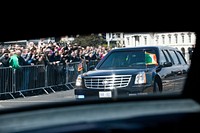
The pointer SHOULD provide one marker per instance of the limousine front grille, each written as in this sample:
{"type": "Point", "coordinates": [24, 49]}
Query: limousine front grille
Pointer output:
{"type": "Point", "coordinates": [107, 82]}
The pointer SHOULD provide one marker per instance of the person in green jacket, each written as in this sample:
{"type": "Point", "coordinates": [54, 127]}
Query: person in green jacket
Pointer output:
{"type": "Point", "coordinates": [14, 62]}
{"type": "Point", "coordinates": [22, 74]}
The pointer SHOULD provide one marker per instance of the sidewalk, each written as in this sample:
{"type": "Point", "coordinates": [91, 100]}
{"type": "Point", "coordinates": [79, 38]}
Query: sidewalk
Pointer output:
{"type": "Point", "coordinates": [45, 98]}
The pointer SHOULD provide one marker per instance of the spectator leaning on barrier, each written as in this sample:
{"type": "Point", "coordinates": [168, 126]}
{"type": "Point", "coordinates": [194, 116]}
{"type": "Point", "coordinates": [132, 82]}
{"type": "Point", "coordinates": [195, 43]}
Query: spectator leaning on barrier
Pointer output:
{"type": "Point", "coordinates": [14, 61]}
{"type": "Point", "coordinates": [4, 59]}
{"type": "Point", "coordinates": [22, 75]}
{"type": "Point", "coordinates": [5, 78]}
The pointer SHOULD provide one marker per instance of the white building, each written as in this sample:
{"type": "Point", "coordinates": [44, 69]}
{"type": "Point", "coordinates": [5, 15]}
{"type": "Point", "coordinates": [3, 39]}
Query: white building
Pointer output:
{"type": "Point", "coordinates": [116, 38]}
{"type": "Point", "coordinates": [179, 40]}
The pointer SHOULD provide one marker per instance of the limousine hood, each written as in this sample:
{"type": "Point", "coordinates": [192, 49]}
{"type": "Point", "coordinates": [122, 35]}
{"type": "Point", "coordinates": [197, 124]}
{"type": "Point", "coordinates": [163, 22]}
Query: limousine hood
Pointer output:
{"type": "Point", "coordinates": [113, 72]}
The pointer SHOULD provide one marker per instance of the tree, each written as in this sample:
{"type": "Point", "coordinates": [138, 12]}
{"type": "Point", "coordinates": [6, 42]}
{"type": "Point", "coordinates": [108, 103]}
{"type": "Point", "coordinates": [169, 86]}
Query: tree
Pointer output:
{"type": "Point", "coordinates": [90, 40]}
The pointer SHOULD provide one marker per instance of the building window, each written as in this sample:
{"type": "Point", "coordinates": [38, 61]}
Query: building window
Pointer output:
{"type": "Point", "coordinates": [114, 35]}
{"type": "Point", "coordinates": [189, 35]}
{"type": "Point", "coordinates": [169, 35]}
{"type": "Point", "coordinates": [182, 34]}
{"type": "Point", "coordinates": [157, 37]}
{"type": "Point", "coordinates": [118, 35]}
{"type": "Point", "coordinates": [163, 37]}
{"type": "Point", "coordinates": [145, 40]}
{"type": "Point", "coordinates": [176, 37]}
{"type": "Point", "coordinates": [128, 40]}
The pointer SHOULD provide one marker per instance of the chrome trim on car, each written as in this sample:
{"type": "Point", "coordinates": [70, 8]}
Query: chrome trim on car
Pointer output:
{"type": "Point", "coordinates": [107, 82]}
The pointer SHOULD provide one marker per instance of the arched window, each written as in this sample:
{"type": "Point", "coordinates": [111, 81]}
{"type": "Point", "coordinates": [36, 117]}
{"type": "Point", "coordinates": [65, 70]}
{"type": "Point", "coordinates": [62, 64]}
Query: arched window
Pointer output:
{"type": "Point", "coordinates": [189, 36]}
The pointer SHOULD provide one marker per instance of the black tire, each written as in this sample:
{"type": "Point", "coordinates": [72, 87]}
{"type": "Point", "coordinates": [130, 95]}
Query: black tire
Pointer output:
{"type": "Point", "coordinates": [156, 87]}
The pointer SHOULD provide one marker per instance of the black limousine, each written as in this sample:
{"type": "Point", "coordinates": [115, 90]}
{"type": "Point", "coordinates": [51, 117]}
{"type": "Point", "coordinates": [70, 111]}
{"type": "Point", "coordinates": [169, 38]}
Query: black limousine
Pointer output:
{"type": "Point", "coordinates": [132, 71]}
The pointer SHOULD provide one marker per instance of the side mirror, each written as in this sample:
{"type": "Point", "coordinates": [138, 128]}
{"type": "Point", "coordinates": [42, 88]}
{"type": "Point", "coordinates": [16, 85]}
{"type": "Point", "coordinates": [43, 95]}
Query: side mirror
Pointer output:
{"type": "Point", "coordinates": [159, 68]}
{"type": "Point", "coordinates": [167, 64]}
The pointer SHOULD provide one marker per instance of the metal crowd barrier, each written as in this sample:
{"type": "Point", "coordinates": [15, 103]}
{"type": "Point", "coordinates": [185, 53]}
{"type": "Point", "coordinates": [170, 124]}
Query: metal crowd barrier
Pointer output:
{"type": "Point", "coordinates": [28, 78]}
{"type": "Point", "coordinates": [55, 75]}
{"type": "Point", "coordinates": [6, 80]}
{"type": "Point", "coordinates": [72, 71]}
{"type": "Point", "coordinates": [35, 77]}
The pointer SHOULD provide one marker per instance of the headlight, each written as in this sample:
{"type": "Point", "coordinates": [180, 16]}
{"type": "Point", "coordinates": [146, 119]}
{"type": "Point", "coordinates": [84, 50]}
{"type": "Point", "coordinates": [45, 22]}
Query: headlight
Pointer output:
{"type": "Point", "coordinates": [79, 80]}
{"type": "Point", "coordinates": [140, 78]}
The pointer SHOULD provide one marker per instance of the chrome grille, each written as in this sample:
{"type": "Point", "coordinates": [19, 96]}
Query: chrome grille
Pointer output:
{"type": "Point", "coordinates": [107, 82]}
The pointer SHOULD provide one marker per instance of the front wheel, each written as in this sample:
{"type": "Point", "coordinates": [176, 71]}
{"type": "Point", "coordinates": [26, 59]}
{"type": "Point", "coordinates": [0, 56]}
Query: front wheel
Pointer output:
{"type": "Point", "coordinates": [156, 88]}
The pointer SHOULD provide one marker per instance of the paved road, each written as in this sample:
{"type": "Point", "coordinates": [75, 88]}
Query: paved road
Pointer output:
{"type": "Point", "coordinates": [52, 97]}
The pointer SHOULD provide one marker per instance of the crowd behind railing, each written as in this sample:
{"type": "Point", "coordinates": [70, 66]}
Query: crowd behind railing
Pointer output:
{"type": "Point", "coordinates": [45, 64]}
{"type": "Point", "coordinates": [49, 53]}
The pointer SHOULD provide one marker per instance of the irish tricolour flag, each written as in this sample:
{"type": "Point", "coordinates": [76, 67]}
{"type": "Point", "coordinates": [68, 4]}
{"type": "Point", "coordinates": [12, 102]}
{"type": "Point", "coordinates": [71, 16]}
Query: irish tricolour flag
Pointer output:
{"type": "Point", "coordinates": [150, 58]}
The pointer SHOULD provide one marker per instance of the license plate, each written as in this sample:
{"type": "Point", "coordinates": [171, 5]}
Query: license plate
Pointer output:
{"type": "Point", "coordinates": [105, 94]}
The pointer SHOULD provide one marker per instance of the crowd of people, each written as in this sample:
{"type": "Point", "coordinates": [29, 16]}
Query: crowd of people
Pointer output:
{"type": "Point", "coordinates": [49, 53]}
{"type": "Point", "coordinates": [58, 57]}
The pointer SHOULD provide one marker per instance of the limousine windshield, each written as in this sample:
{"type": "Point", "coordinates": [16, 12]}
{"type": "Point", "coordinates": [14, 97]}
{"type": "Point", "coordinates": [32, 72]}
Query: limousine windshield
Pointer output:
{"type": "Point", "coordinates": [135, 59]}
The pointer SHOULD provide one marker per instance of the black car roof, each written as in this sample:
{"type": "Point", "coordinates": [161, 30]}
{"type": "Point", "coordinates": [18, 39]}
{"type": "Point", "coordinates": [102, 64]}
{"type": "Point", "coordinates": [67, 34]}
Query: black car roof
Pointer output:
{"type": "Point", "coordinates": [144, 47]}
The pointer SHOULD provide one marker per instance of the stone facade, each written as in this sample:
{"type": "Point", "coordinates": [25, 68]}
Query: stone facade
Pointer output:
{"type": "Point", "coordinates": [180, 40]}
